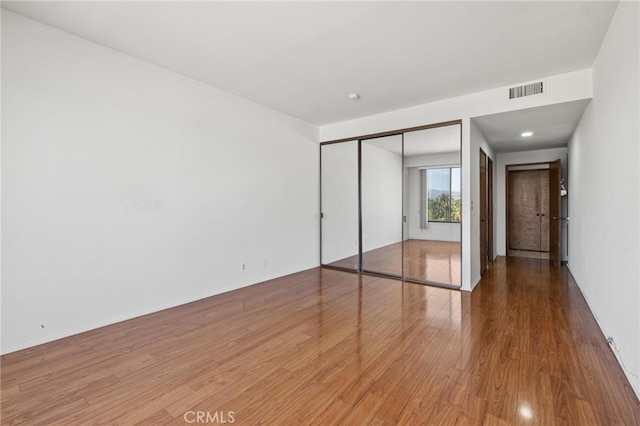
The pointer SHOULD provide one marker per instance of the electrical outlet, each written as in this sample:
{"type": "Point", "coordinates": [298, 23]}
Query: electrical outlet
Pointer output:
{"type": "Point", "coordinates": [264, 263]}
{"type": "Point", "coordinates": [243, 266]}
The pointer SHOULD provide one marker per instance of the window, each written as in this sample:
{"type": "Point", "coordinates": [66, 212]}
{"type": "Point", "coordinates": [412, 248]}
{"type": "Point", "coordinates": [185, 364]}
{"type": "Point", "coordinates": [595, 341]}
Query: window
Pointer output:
{"type": "Point", "coordinates": [443, 194]}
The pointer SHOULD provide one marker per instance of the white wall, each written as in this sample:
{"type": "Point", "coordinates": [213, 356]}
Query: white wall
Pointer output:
{"type": "Point", "coordinates": [128, 188]}
{"type": "Point", "coordinates": [604, 194]}
{"type": "Point", "coordinates": [435, 231]}
{"type": "Point", "coordinates": [560, 88]}
{"type": "Point", "coordinates": [381, 197]}
{"type": "Point", "coordinates": [539, 156]}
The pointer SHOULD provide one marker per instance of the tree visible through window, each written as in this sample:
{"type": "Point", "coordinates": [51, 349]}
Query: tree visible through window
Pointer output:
{"type": "Point", "coordinates": [443, 192]}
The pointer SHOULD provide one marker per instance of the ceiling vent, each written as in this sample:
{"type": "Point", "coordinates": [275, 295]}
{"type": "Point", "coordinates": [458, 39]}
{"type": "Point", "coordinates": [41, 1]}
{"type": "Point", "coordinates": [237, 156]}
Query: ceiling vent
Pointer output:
{"type": "Point", "coordinates": [526, 90]}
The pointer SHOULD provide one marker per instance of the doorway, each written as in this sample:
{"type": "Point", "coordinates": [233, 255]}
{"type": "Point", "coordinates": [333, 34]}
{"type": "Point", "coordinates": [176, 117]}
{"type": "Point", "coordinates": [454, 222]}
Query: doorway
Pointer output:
{"type": "Point", "coordinates": [533, 210]}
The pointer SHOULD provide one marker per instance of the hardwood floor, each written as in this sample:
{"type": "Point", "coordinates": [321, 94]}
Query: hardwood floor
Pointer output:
{"type": "Point", "coordinates": [529, 253]}
{"type": "Point", "coordinates": [331, 347]}
{"type": "Point", "coordinates": [426, 260]}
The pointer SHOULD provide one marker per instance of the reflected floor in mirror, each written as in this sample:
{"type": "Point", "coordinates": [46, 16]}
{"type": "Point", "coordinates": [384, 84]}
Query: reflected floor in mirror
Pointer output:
{"type": "Point", "coordinates": [426, 260]}
{"type": "Point", "coordinates": [327, 347]}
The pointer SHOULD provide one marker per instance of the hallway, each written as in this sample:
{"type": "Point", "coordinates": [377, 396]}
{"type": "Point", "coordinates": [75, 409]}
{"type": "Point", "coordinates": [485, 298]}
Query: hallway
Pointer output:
{"type": "Point", "coordinates": [543, 352]}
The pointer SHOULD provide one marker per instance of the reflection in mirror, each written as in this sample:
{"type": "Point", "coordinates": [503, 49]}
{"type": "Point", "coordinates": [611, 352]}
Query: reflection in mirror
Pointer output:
{"type": "Point", "coordinates": [339, 201]}
{"type": "Point", "coordinates": [433, 205]}
{"type": "Point", "coordinates": [381, 174]}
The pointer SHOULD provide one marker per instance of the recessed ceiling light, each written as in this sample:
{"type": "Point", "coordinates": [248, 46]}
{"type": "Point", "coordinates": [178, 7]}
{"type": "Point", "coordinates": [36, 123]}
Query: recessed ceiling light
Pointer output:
{"type": "Point", "coordinates": [526, 134]}
{"type": "Point", "coordinates": [353, 96]}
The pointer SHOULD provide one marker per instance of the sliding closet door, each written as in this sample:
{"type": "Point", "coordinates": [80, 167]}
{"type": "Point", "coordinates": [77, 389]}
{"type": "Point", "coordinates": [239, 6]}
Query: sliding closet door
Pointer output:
{"type": "Point", "coordinates": [432, 247]}
{"type": "Point", "coordinates": [381, 192]}
{"type": "Point", "coordinates": [339, 203]}
{"type": "Point", "coordinates": [391, 205]}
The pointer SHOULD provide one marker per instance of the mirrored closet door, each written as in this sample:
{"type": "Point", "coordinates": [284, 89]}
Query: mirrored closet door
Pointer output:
{"type": "Point", "coordinates": [339, 205]}
{"type": "Point", "coordinates": [381, 186]}
{"type": "Point", "coordinates": [391, 204]}
{"type": "Point", "coordinates": [432, 194]}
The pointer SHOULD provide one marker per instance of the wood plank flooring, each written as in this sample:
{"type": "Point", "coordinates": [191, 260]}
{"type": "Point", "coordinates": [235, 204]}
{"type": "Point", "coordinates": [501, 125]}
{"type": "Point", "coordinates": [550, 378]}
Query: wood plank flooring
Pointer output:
{"type": "Point", "coordinates": [330, 347]}
{"type": "Point", "coordinates": [529, 253]}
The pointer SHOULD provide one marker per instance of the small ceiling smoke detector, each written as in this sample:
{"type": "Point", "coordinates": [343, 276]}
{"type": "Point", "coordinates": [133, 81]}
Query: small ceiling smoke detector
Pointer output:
{"type": "Point", "coordinates": [353, 96]}
{"type": "Point", "coordinates": [526, 134]}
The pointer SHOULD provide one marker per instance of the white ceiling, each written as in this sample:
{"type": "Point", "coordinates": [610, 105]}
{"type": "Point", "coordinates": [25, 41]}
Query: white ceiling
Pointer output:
{"type": "Point", "coordinates": [302, 58]}
{"type": "Point", "coordinates": [551, 125]}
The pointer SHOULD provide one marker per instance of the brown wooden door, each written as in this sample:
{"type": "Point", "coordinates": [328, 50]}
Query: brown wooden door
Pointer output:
{"type": "Point", "coordinates": [483, 212]}
{"type": "Point", "coordinates": [555, 212]}
{"type": "Point", "coordinates": [528, 210]}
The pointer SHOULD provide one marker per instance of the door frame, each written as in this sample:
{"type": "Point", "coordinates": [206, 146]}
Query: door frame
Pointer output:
{"type": "Point", "coordinates": [486, 211]}
{"type": "Point", "coordinates": [483, 213]}
{"type": "Point", "coordinates": [555, 212]}
{"type": "Point", "coordinates": [555, 239]}
{"type": "Point", "coordinates": [490, 242]}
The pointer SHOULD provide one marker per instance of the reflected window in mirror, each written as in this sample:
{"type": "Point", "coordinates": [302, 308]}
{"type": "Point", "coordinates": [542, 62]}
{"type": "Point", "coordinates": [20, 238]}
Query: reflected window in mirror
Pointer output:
{"type": "Point", "coordinates": [442, 194]}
